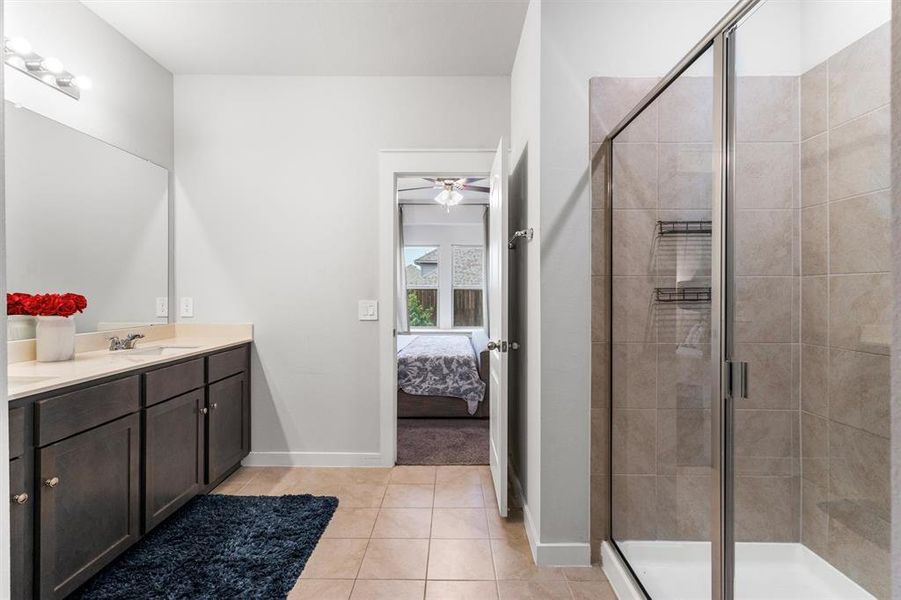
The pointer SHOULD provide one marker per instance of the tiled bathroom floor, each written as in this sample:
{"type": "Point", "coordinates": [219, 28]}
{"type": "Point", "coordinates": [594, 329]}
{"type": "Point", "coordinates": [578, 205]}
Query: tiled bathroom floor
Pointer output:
{"type": "Point", "coordinates": [417, 533]}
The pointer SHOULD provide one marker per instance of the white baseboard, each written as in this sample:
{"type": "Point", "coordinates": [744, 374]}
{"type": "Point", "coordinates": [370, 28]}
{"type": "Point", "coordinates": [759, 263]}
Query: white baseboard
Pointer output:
{"type": "Point", "coordinates": [565, 554]}
{"type": "Point", "coordinates": [620, 579]}
{"type": "Point", "coordinates": [314, 459]}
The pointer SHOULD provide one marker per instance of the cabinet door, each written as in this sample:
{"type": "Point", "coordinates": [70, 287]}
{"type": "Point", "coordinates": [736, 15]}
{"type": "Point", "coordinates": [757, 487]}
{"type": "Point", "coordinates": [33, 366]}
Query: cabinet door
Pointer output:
{"type": "Point", "coordinates": [20, 529]}
{"type": "Point", "coordinates": [173, 455]}
{"type": "Point", "coordinates": [88, 503]}
{"type": "Point", "coordinates": [228, 433]}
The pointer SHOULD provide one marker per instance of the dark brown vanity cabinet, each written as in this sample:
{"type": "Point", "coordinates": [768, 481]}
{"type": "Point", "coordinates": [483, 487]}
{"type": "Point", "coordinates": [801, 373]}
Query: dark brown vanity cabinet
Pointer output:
{"type": "Point", "coordinates": [229, 427]}
{"type": "Point", "coordinates": [89, 500]}
{"type": "Point", "coordinates": [95, 466]}
{"type": "Point", "coordinates": [21, 501]}
{"type": "Point", "coordinates": [173, 455]}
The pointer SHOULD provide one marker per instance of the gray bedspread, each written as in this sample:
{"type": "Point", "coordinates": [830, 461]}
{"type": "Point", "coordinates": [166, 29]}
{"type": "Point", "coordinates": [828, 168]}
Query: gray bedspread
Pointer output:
{"type": "Point", "coordinates": [441, 365]}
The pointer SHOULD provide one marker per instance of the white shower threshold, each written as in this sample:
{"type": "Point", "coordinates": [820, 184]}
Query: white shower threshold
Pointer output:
{"type": "Point", "coordinates": [764, 571]}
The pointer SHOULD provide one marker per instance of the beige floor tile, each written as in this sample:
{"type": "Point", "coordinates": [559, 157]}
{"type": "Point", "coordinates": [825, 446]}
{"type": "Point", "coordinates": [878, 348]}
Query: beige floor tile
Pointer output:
{"type": "Point", "coordinates": [351, 523]}
{"type": "Point", "coordinates": [511, 527]}
{"type": "Point", "coordinates": [460, 559]}
{"type": "Point", "coordinates": [243, 475]}
{"type": "Point", "coordinates": [459, 494]}
{"type": "Point", "coordinates": [459, 523]}
{"type": "Point", "coordinates": [409, 496]}
{"type": "Point", "coordinates": [591, 590]}
{"type": "Point", "coordinates": [262, 487]}
{"type": "Point", "coordinates": [592, 573]}
{"type": "Point", "coordinates": [357, 495]}
{"type": "Point", "coordinates": [395, 559]}
{"type": "Point", "coordinates": [412, 474]}
{"type": "Point", "coordinates": [335, 559]}
{"type": "Point", "coordinates": [230, 488]}
{"type": "Point", "coordinates": [461, 590]}
{"type": "Point", "coordinates": [461, 473]}
{"type": "Point", "coordinates": [513, 560]}
{"type": "Point", "coordinates": [533, 590]}
{"type": "Point", "coordinates": [386, 589]}
{"type": "Point", "coordinates": [403, 523]}
{"type": "Point", "coordinates": [322, 589]}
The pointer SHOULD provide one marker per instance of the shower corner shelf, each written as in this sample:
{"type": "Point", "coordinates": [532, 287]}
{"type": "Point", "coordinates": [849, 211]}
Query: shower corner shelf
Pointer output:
{"type": "Point", "coordinates": [684, 294]}
{"type": "Point", "coordinates": [684, 227]}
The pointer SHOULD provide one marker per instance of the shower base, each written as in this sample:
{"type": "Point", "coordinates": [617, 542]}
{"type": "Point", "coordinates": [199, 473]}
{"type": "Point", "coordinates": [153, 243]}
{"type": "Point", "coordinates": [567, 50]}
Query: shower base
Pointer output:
{"type": "Point", "coordinates": [764, 571]}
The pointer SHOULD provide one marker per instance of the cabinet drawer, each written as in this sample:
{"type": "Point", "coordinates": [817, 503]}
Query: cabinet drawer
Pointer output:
{"type": "Point", "coordinates": [16, 432]}
{"type": "Point", "coordinates": [62, 416]}
{"type": "Point", "coordinates": [173, 381]}
{"type": "Point", "coordinates": [227, 363]}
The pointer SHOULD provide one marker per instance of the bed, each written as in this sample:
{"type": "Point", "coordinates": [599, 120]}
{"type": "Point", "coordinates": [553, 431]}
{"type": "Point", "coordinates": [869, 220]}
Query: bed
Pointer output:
{"type": "Point", "coordinates": [442, 376]}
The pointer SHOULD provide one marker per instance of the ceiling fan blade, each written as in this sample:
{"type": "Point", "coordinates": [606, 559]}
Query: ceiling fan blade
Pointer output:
{"type": "Point", "coordinates": [476, 188]}
{"type": "Point", "coordinates": [468, 180]}
{"type": "Point", "coordinates": [427, 187]}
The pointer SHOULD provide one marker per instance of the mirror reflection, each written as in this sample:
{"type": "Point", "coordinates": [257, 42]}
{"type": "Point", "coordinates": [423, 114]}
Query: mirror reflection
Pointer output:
{"type": "Point", "coordinates": [85, 217]}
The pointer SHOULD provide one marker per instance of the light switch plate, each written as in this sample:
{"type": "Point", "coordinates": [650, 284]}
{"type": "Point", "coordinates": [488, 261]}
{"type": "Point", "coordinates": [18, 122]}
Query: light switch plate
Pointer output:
{"type": "Point", "coordinates": [162, 307]}
{"type": "Point", "coordinates": [369, 310]}
{"type": "Point", "coordinates": [186, 307]}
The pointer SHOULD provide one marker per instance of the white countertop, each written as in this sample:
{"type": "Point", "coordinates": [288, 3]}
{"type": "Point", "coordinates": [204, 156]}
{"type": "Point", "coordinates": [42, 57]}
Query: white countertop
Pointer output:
{"type": "Point", "coordinates": [30, 377]}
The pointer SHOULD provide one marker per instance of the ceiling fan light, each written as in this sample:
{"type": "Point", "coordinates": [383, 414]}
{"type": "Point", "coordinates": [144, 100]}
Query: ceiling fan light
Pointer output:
{"type": "Point", "coordinates": [455, 198]}
{"type": "Point", "coordinates": [443, 197]}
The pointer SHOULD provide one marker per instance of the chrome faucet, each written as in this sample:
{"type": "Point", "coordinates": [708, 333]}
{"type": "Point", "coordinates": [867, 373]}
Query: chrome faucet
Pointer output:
{"type": "Point", "coordinates": [116, 343]}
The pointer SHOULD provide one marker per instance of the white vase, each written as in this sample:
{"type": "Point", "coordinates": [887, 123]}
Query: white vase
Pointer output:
{"type": "Point", "coordinates": [55, 339]}
{"type": "Point", "coordinates": [19, 327]}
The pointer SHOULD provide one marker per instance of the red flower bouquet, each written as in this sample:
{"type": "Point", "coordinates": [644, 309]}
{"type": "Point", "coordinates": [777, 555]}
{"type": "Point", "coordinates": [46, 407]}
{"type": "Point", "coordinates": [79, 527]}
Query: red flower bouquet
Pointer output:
{"type": "Point", "coordinates": [15, 304]}
{"type": "Point", "coordinates": [45, 305]}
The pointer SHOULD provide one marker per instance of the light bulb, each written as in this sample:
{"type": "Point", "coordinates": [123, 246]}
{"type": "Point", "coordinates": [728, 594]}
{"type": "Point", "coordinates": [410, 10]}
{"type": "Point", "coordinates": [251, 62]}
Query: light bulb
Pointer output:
{"type": "Point", "coordinates": [443, 197]}
{"type": "Point", "coordinates": [54, 65]}
{"type": "Point", "coordinates": [83, 82]}
{"type": "Point", "coordinates": [49, 79]}
{"type": "Point", "coordinates": [19, 45]}
{"type": "Point", "coordinates": [16, 61]}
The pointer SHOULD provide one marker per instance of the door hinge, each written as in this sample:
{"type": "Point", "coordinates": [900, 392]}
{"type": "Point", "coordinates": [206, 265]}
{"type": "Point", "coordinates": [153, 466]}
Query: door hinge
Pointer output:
{"type": "Point", "coordinates": [736, 377]}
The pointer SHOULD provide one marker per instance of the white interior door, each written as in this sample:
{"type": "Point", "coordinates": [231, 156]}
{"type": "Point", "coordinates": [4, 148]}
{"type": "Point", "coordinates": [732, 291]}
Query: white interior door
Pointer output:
{"type": "Point", "coordinates": [498, 295]}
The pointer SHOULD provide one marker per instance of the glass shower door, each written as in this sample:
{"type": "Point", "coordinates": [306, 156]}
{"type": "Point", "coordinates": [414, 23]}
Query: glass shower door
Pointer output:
{"type": "Point", "coordinates": [808, 261]}
{"type": "Point", "coordinates": [663, 482]}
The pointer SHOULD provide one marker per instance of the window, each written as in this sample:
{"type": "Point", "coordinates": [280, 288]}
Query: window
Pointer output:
{"type": "Point", "coordinates": [421, 270]}
{"type": "Point", "coordinates": [468, 285]}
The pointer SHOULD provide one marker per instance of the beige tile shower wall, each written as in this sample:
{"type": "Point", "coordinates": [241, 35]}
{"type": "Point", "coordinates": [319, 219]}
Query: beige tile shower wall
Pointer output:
{"type": "Point", "coordinates": [610, 100]}
{"type": "Point", "coordinates": [767, 307]}
{"type": "Point", "coordinates": [846, 307]}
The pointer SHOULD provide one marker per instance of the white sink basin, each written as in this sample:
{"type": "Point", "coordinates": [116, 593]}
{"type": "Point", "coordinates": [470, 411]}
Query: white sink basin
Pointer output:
{"type": "Point", "coordinates": [150, 351]}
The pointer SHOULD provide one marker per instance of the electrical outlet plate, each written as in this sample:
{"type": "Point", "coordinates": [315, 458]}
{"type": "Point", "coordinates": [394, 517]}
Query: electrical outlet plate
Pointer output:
{"type": "Point", "coordinates": [186, 307]}
{"type": "Point", "coordinates": [162, 306]}
{"type": "Point", "coordinates": [368, 310]}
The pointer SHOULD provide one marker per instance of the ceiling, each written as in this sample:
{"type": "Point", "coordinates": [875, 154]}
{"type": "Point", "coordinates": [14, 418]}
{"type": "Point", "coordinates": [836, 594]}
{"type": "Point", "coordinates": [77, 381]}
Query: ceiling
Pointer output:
{"type": "Point", "coordinates": [427, 196]}
{"type": "Point", "coordinates": [315, 37]}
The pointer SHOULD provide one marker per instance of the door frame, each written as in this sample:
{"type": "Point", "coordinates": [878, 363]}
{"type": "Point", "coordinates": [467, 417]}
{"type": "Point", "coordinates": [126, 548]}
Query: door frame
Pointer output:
{"type": "Point", "coordinates": [392, 165]}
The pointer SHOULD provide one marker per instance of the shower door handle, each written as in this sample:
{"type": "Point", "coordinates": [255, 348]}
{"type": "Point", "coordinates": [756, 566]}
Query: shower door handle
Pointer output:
{"type": "Point", "coordinates": [738, 379]}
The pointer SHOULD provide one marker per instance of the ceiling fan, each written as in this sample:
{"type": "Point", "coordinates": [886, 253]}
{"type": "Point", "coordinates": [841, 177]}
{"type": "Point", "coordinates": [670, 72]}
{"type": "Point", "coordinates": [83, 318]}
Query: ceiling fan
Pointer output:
{"type": "Point", "coordinates": [450, 189]}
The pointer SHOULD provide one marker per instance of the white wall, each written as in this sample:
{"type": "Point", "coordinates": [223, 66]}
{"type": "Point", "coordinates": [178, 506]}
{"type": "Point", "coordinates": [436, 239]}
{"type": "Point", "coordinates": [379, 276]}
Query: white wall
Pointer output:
{"type": "Point", "coordinates": [130, 105]}
{"type": "Point", "coordinates": [434, 226]}
{"type": "Point", "coordinates": [525, 151]}
{"type": "Point", "coordinates": [276, 203]}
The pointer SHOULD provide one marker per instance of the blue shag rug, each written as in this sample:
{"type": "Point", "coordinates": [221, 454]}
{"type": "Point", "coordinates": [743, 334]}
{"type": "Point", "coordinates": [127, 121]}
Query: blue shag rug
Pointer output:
{"type": "Point", "coordinates": [219, 547]}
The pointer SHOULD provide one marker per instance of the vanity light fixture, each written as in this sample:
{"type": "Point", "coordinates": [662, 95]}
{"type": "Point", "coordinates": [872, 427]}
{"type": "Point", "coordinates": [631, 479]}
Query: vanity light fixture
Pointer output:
{"type": "Point", "coordinates": [18, 53]}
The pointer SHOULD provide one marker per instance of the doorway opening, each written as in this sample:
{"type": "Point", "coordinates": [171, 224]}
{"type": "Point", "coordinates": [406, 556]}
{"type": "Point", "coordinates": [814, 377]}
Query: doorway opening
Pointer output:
{"type": "Point", "coordinates": [443, 409]}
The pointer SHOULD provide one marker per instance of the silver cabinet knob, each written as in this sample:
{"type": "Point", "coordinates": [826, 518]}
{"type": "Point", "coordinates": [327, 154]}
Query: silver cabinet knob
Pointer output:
{"type": "Point", "coordinates": [493, 345]}
{"type": "Point", "coordinates": [204, 410]}
{"type": "Point", "coordinates": [52, 482]}
{"type": "Point", "coordinates": [20, 498]}
{"type": "Point", "coordinates": [215, 405]}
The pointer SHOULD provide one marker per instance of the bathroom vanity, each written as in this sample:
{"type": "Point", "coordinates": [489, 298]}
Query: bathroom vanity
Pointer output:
{"type": "Point", "coordinates": [96, 464]}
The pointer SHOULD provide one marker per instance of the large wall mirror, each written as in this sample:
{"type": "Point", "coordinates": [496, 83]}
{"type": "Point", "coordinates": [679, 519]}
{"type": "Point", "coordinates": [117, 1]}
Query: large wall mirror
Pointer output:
{"type": "Point", "coordinates": [86, 217]}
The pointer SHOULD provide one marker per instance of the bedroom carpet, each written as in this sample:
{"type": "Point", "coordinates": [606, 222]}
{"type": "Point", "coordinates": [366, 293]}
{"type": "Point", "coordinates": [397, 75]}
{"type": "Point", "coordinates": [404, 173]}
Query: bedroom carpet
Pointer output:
{"type": "Point", "coordinates": [442, 441]}
{"type": "Point", "coordinates": [219, 547]}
